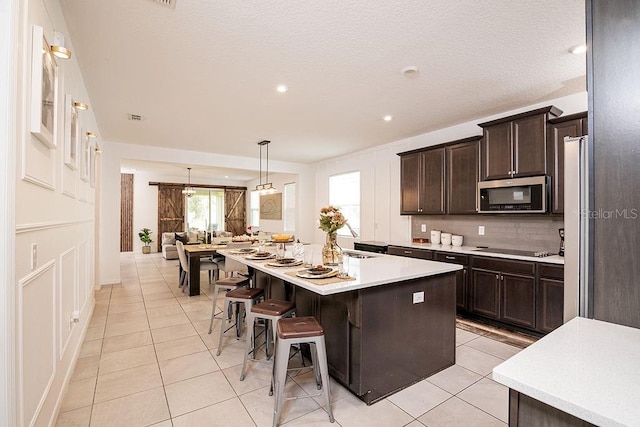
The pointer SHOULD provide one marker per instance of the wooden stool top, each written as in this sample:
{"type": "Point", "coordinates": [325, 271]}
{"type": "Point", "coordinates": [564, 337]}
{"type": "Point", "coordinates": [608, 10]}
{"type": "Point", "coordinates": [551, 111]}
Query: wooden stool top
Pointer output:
{"type": "Point", "coordinates": [232, 281]}
{"type": "Point", "coordinates": [245, 293]}
{"type": "Point", "coordinates": [299, 327]}
{"type": "Point", "coordinates": [273, 307]}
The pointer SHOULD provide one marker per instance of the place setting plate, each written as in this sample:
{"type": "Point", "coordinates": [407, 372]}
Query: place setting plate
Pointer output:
{"type": "Point", "coordinates": [317, 273]}
{"type": "Point", "coordinates": [285, 262]}
{"type": "Point", "coordinates": [261, 256]}
{"type": "Point", "coordinates": [243, 251]}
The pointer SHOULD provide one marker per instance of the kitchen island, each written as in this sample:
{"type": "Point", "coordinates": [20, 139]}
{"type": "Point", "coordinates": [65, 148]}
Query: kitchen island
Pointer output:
{"type": "Point", "coordinates": [389, 327]}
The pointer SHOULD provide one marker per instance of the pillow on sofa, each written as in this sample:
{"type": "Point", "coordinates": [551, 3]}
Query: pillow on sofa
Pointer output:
{"type": "Point", "coordinates": [168, 238]}
{"type": "Point", "coordinates": [194, 237]}
{"type": "Point", "coordinates": [182, 237]}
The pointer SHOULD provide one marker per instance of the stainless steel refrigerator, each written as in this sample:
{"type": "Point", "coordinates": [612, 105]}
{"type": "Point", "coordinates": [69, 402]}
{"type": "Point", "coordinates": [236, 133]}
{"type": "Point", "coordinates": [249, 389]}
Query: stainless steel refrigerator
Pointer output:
{"type": "Point", "coordinates": [577, 220]}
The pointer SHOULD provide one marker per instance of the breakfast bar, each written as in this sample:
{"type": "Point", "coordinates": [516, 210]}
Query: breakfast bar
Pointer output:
{"type": "Point", "coordinates": [388, 326]}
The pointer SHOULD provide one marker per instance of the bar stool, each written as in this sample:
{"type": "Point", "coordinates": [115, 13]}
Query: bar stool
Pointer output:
{"type": "Point", "coordinates": [299, 330]}
{"type": "Point", "coordinates": [248, 297]}
{"type": "Point", "coordinates": [271, 311]}
{"type": "Point", "coordinates": [227, 284]}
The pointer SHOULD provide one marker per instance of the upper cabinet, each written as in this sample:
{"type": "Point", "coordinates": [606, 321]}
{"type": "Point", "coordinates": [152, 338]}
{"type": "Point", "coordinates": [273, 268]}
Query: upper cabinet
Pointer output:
{"type": "Point", "coordinates": [440, 179]}
{"type": "Point", "coordinates": [573, 125]}
{"type": "Point", "coordinates": [462, 176]}
{"type": "Point", "coordinates": [422, 180]}
{"type": "Point", "coordinates": [516, 146]}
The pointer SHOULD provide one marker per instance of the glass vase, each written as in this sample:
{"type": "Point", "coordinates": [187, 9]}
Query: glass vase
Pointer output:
{"type": "Point", "coordinates": [331, 252]}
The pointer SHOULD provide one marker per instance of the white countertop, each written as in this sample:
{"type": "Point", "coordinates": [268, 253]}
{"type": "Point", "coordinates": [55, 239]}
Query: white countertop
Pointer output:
{"type": "Point", "coordinates": [587, 368]}
{"type": "Point", "coordinates": [472, 250]}
{"type": "Point", "coordinates": [378, 270]}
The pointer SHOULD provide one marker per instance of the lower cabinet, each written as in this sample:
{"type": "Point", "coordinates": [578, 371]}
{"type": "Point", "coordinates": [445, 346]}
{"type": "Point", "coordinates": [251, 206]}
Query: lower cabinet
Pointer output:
{"type": "Point", "coordinates": [550, 310]}
{"type": "Point", "coordinates": [504, 290]}
{"type": "Point", "coordinates": [462, 277]}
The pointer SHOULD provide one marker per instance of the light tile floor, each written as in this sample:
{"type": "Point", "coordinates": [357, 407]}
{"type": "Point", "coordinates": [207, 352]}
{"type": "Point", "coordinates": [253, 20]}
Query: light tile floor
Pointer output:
{"type": "Point", "coordinates": [148, 359]}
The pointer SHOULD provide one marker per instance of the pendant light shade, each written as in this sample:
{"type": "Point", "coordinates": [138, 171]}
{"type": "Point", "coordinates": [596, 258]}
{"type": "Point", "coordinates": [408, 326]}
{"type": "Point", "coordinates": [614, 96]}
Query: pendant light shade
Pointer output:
{"type": "Point", "coordinates": [188, 190]}
{"type": "Point", "coordinates": [265, 187]}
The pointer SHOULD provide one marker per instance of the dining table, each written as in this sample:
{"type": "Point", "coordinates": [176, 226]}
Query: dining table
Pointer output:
{"type": "Point", "coordinates": [194, 253]}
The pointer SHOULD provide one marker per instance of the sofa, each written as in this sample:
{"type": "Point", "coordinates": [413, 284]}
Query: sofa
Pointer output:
{"type": "Point", "coordinates": [169, 249]}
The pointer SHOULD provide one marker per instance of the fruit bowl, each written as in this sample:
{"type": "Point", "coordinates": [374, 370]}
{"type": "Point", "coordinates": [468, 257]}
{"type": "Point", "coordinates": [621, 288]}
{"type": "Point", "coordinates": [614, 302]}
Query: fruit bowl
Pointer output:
{"type": "Point", "coordinates": [281, 238]}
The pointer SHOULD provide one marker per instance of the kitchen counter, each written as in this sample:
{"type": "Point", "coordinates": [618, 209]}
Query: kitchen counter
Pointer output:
{"type": "Point", "coordinates": [391, 327]}
{"type": "Point", "coordinates": [586, 368]}
{"type": "Point", "coordinates": [378, 269]}
{"type": "Point", "coordinates": [472, 250]}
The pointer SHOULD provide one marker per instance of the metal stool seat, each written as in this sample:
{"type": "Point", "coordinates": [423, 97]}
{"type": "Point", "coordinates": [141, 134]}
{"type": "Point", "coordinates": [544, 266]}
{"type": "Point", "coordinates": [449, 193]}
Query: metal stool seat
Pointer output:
{"type": "Point", "coordinates": [247, 297]}
{"type": "Point", "coordinates": [271, 311]}
{"type": "Point", "coordinates": [227, 284]}
{"type": "Point", "coordinates": [299, 330]}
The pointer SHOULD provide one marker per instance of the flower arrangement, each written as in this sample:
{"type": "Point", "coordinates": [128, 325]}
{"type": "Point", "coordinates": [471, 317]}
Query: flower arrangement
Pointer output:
{"type": "Point", "coordinates": [331, 219]}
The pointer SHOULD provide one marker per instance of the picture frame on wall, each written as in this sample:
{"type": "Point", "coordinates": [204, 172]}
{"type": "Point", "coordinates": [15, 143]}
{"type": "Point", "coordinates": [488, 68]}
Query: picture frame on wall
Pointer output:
{"type": "Point", "coordinates": [92, 165]}
{"type": "Point", "coordinates": [85, 143]}
{"type": "Point", "coordinates": [271, 206]}
{"type": "Point", "coordinates": [44, 89]}
{"type": "Point", "coordinates": [71, 133]}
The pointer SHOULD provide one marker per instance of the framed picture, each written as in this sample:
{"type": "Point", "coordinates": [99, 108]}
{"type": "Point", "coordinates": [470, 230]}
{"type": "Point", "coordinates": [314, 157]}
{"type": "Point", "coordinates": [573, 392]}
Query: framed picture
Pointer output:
{"type": "Point", "coordinates": [44, 89]}
{"type": "Point", "coordinates": [92, 165]}
{"type": "Point", "coordinates": [271, 206]}
{"type": "Point", "coordinates": [71, 133]}
{"type": "Point", "coordinates": [85, 145]}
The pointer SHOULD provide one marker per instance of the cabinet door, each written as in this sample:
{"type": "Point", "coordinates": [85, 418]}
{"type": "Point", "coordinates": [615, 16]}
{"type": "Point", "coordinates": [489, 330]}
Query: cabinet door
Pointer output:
{"type": "Point", "coordinates": [462, 178]}
{"type": "Point", "coordinates": [555, 158]}
{"type": "Point", "coordinates": [485, 293]}
{"type": "Point", "coordinates": [433, 181]}
{"type": "Point", "coordinates": [496, 151]}
{"type": "Point", "coordinates": [461, 289]}
{"type": "Point", "coordinates": [519, 300]}
{"type": "Point", "coordinates": [550, 304]}
{"type": "Point", "coordinates": [410, 166]}
{"type": "Point", "coordinates": [529, 146]}
{"type": "Point", "coordinates": [410, 252]}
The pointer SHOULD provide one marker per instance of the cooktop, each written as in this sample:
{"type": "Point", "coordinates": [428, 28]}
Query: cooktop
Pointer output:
{"type": "Point", "coordinates": [539, 254]}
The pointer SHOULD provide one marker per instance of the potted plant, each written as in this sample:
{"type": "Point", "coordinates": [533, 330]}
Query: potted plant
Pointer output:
{"type": "Point", "coordinates": [145, 237]}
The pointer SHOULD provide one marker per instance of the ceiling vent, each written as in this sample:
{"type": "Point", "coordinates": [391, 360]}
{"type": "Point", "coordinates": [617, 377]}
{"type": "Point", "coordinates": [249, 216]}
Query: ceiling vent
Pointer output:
{"type": "Point", "coordinates": [135, 117]}
{"type": "Point", "coordinates": [168, 3]}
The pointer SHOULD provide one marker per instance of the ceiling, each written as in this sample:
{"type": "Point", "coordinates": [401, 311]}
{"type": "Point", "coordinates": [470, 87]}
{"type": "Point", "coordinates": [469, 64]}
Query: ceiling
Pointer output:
{"type": "Point", "coordinates": [204, 74]}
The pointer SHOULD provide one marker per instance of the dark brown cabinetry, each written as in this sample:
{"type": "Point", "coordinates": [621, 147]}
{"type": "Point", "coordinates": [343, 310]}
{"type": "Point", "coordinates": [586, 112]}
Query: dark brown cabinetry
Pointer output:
{"type": "Point", "coordinates": [515, 146]}
{"type": "Point", "coordinates": [462, 277]}
{"type": "Point", "coordinates": [550, 307]}
{"type": "Point", "coordinates": [557, 129]}
{"type": "Point", "coordinates": [504, 290]}
{"type": "Point", "coordinates": [462, 176]}
{"type": "Point", "coordinates": [410, 252]}
{"type": "Point", "coordinates": [422, 182]}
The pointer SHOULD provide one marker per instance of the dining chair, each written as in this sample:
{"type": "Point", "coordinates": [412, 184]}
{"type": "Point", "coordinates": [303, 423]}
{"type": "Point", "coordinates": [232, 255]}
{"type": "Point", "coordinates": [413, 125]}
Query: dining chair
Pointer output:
{"type": "Point", "coordinates": [204, 265]}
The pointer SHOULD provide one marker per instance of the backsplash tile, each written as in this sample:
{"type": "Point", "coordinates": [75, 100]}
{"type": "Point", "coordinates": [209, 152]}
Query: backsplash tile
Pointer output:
{"type": "Point", "coordinates": [533, 233]}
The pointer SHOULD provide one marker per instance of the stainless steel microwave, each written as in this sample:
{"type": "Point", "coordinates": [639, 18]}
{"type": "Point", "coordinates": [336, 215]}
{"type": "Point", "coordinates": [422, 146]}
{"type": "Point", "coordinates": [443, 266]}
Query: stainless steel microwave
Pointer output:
{"type": "Point", "coordinates": [518, 195]}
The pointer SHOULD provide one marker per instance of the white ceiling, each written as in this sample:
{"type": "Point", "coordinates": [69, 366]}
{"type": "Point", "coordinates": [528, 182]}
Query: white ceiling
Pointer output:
{"type": "Point", "coordinates": [204, 74]}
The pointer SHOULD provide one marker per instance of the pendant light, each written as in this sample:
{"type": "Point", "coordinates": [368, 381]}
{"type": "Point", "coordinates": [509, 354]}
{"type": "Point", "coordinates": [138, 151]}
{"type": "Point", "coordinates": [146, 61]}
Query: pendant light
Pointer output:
{"type": "Point", "coordinates": [266, 187]}
{"type": "Point", "coordinates": [188, 190]}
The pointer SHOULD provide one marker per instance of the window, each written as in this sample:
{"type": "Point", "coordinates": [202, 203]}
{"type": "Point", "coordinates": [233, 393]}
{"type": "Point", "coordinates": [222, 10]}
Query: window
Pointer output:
{"type": "Point", "coordinates": [205, 210]}
{"type": "Point", "coordinates": [344, 192]}
{"type": "Point", "coordinates": [289, 195]}
{"type": "Point", "coordinates": [254, 209]}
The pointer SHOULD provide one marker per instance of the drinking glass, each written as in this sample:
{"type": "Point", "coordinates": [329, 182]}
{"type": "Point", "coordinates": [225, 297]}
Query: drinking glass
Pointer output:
{"type": "Point", "coordinates": [344, 266]}
{"type": "Point", "coordinates": [308, 257]}
{"type": "Point", "coordinates": [280, 250]}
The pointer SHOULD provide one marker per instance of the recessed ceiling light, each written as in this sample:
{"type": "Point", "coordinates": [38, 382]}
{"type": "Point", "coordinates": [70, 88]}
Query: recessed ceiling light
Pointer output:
{"type": "Point", "coordinates": [577, 50]}
{"type": "Point", "coordinates": [387, 118]}
{"type": "Point", "coordinates": [409, 70]}
{"type": "Point", "coordinates": [226, 176]}
{"type": "Point", "coordinates": [282, 88]}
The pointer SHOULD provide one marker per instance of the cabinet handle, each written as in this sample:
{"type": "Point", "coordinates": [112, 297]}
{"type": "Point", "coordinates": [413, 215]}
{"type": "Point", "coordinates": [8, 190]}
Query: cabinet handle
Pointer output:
{"type": "Point", "coordinates": [408, 252]}
{"type": "Point", "coordinates": [501, 277]}
{"type": "Point", "coordinates": [450, 257]}
{"type": "Point", "coordinates": [497, 277]}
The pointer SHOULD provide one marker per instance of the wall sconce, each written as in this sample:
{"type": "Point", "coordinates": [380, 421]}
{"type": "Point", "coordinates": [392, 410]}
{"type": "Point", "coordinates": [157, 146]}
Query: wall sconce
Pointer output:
{"type": "Point", "coordinates": [58, 47]}
{"type": "Point", "coordinates": [98, 149]}
{"type": "Point", "coordinates": [80, 105]}
{"type": "Point", "coordinates": [92, 134]}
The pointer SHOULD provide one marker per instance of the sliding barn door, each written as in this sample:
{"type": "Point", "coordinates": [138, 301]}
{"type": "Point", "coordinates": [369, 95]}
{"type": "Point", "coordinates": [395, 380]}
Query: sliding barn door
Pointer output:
{"type": "Point", "coordinates": [126, 212]}
{"type": "Point", "coordinates": [170, 211]}
{"type": "Point", "coordinates": [235, 211]}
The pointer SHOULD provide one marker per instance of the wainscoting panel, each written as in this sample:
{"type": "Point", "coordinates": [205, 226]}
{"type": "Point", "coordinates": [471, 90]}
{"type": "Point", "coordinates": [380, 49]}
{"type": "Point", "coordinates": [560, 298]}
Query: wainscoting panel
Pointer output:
{"type": "Point", "coordinates": [36, 339]}
{"type": "Point", "coordinates": [67, 291]}
{"type": "Point", "coordinates": [84, 284]}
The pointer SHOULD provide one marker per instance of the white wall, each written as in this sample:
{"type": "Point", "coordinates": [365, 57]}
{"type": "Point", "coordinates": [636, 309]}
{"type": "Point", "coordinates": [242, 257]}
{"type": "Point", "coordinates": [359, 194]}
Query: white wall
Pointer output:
{"type": "Point", "coordinates": [380, 174]}
{"type": "Point", "coordinates": [55, 211]}
{"type": "Point", "coordinates": [278, 180]}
